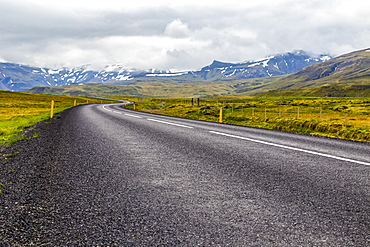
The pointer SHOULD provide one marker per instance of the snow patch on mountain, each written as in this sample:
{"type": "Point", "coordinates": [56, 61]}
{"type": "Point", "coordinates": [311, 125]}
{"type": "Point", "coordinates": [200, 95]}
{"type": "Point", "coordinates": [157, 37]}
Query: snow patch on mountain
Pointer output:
{"type": "Point", "coordinates": [166, 74]}
{"type": "Point", "coordinates": [325, 58]}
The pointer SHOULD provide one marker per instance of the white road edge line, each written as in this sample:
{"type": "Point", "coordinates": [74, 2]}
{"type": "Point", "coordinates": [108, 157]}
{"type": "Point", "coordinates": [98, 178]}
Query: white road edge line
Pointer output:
{"type": "Point", "coordinates": [292, 148]}
{"type": "Point", "coordinates": [179, 125]}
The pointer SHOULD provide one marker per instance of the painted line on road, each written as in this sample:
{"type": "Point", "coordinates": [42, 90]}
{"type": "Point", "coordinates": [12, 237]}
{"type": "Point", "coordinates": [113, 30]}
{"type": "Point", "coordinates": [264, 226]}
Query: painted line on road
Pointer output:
{"type": "Point", "coordinates": [292, 148]}
{"type": "Point", "coordinates": [179, 125]}
{"type": "Point", "coordinates": [130, 115]}
{"type": "Point", "coordinates": [118, 112]}
{"type": "Point", "coordinates": [106, 108]}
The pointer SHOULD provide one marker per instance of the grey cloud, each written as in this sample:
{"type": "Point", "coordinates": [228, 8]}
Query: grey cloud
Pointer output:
{"type": "Point", "coordinates": [188, 37]}
{"type": "Point", "coordinates": [29, 22]}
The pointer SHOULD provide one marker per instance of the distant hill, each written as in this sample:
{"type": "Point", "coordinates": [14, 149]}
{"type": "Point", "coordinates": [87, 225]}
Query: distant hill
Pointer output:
{"type": "Point", "coordinates": [18, 77]}
{"type": "Point", "coordinates": [348, 69]}
{"type": "Point", "coordinates": [354, 65]}
{"type": "Point", "coordinates": [346, 75]}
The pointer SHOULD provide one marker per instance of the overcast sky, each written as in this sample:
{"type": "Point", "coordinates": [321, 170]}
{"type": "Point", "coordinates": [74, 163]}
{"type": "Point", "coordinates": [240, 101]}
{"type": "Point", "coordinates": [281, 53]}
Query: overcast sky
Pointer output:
{"type": "Point", "coordinates": [176, 34]}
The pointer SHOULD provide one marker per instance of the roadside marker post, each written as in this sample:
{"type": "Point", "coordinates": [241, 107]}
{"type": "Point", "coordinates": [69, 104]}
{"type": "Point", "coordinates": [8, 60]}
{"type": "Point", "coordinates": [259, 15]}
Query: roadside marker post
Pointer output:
{"type": "Point", "coordinates": [52, 109]}
{"type": "Point", "coordinates": [220, 120]}
{"type": "Point", "coordinates": [298, 112]}
{"type": "Point", "coordinates": [265, 113]}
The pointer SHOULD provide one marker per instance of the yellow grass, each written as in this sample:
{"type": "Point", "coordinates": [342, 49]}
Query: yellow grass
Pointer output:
{"type": "Point", "coordinates": [21, 110]}
{"type": "Point", "coordinates": [347, 118]}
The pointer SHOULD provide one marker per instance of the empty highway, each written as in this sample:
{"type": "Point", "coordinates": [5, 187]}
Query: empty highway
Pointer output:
{"type": "Point", "coordinates": [100, 175]}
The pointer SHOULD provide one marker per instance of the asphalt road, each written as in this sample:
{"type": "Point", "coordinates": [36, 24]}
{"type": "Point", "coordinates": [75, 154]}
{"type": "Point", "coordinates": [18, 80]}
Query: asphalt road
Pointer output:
{"type": "Point", "coordinates": [103, 176]}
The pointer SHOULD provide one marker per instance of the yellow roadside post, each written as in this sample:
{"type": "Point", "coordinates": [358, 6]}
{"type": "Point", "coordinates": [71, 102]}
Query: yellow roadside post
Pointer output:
{"type": "Point", "coordinates": [52, 109]}
{"type": "Point", "coordinates": [75, 103]}
{"type": "Point", "coordinates": [134, 107]}
{"type": "Point", "coordinates": [220, 115]}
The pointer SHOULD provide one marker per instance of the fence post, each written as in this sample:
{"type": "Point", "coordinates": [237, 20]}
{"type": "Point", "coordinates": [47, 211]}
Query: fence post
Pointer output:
{"type": "Point", "coordinates": [52, 109]}
{"type": "Point", "coordinates": [298, 113]}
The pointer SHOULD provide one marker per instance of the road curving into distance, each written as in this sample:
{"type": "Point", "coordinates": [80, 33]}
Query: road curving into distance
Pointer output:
{"type": "Point", "coordinates": [101, 175]}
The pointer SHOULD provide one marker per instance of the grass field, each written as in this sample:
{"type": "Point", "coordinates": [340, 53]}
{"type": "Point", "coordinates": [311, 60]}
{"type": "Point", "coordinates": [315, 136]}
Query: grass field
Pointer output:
{"type": "Point", "coordinates": [342, 117]}
{"type": "Point", "coordinates": [162, 88]}
{"type": "Point", "coordinates": [21, 110]}
{"type": "Point", "coordinates": [346, 118]}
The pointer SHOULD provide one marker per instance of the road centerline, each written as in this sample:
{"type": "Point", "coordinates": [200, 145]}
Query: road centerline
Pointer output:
{"type": "Point", "coordinates": [104, 107]}
{"type": "Point", "coordinates": [291, 148]}
{"type": "Point", "coordinates": [130, 115]}
{"type": "Point", "coordinates": [165, 122]}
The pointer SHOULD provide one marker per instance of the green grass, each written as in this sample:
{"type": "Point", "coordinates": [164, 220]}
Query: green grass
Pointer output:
{"type": "Point", "coordinates": [346, 118]}
{"type": "Point", "coordinates": [330, 90]}
{"type": "Point", "coordinates": [21, 110]}
{"type": "Point", "coordinates": [340, 117]}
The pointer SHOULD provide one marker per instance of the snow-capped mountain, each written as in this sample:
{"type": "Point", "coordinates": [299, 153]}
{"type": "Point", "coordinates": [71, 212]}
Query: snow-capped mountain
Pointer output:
{"type": "Point", "coordinates": [22, 78]}
{"type": "Point", "coordinates": [280, 64]}
{"type": "Point", "coordinates": [18, 77]}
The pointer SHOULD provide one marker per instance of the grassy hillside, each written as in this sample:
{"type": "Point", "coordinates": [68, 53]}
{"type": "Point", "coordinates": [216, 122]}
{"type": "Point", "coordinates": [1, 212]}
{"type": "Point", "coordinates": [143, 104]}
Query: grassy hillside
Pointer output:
{"type": "Point", "coordinates": [350, 66]}
{"type": "Point", "coordinates": [21, 110]}
{"type": "Point", "coordinates": [351, 69]}
{"type": "Point", "coordinates": [162, 89]}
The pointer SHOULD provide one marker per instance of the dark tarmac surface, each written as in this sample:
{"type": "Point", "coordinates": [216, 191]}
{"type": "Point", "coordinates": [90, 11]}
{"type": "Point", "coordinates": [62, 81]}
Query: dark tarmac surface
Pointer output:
{"type": "Point", "coordinates": [102, 178]}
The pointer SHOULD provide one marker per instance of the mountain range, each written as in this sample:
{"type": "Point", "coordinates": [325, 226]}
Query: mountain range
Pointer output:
{"type": "Point", "coordinates": [22, 78]}
{"type": "Point", "coordinates": [345, 75]}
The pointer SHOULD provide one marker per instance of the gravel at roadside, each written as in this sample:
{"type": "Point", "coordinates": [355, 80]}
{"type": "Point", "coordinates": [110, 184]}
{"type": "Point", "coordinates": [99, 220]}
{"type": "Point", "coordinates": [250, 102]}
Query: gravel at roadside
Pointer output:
{"type": "Point", "coordinates": [21, 206]}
